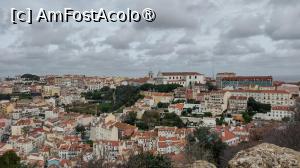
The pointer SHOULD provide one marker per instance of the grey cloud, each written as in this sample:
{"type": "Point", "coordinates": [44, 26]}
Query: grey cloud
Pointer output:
{"type": "Point", "coordinates": [284, 22]}
{"type": "Point", "coordinates": [251, 37]}
{"type": "Point", "coordinates": [245, 26]}
{"type": "Point", "coordinates": [191, 51]}
{"type": "Point", "coordinates": [122, 38]}
{"type": "Point", "coordinates": [170, 15]}
{"type": "Point", "coordinates": [186, 39]}
{"type": "Point", "coordinates": [237, 47]}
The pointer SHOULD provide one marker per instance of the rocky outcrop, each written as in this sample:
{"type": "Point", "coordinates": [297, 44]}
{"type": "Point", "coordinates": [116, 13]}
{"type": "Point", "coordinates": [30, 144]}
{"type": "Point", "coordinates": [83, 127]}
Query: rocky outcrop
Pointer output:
{"type": "Point", "coordinates": [202, 164]}
{"type": "Point", "coordinates": [266, 156]}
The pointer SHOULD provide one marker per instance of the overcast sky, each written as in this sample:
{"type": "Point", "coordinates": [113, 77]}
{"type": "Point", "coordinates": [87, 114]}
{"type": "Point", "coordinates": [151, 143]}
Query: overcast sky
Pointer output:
{"type": "Point", "coordinates": [250, 37]}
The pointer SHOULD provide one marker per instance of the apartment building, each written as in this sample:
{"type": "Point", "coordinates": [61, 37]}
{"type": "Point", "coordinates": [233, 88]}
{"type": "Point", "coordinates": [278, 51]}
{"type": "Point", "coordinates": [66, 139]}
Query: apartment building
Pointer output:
{"type": "Point", "coordinates": [222, 75]}
{"type": "Point", "coordinates": [273, 97]}
{"type": "Point", "coordinates": [215, 102]}
{"type": "Point", "coordinates": [237, 104]}
{"type": "Point", "coordinates": [277, 113]}
{"type": "Point", "coordinates": [242, 81]}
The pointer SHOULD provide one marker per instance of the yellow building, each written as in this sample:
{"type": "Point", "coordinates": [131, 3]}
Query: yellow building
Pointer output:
{"type": "Point", "coordinates": [159, 97]}
{"type": "Point", "coordinates": [51, 91]}
{"type": "Point", "coordinates": [6, 106]}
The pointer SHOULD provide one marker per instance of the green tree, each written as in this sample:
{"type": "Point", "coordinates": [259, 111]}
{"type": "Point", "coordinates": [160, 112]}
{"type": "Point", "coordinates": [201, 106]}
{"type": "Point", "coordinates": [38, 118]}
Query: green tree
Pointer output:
{"type": "Point", "coordinates": [10, 160]}
{"type": "Point", "coordinates": [220, 121]}
{"type": "Point", "coordinates": [247, 118]}
{"type": "Point", "coordinates": [130, 118]}
{"type": "Point", "coordinates": [142, 125]}
{"type": "Point", "coordinates": [207, 114]}
{"type": "Point", "coordinates": [151, 118]}
{"type": "Point", "coordinates": [148, 160]}
{"type": "Point", "coordinates": [25, 130]}
{"type": "Point", "coordinates": [114, 99]}
{"type": "Point", "coordinates": [90, 142]}
{"type": "Point", "coordinates": [172, 120]}
{"type": "Point", "coordinates": [105, 107]}
{"type": "Point", "coordinates": [210, 86]}
{"type": "Point", "coordinates": [159, 88]}
{"type": "Point", "coordinates": [204, 144]}
{"type": "Point", "coordinates": [286, 119]}
{"type": "Point", "coordinates": [189, 110]}
{"type": "Point", "coordinates": [162, 105]}
{"type": "Point", "coordinates": [253, 106]}
{"type": "Point", "coordinates": [30, 77]}
{"type": "Point", "coordinates": [80, 129]}
{"type": "Point", "coordinates": [5, 97]}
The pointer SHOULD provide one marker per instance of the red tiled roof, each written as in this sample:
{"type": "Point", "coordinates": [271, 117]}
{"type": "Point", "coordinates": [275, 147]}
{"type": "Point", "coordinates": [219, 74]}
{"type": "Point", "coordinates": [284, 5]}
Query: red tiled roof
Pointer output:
{"type": "Point", "coordinates": [124, 126]}
{"type": "Point", "coordinates": [140, 80]}
{"type": "Point", "coordinates": [161, 139]}
{"type": "Point", "coordinates": [177, 106]}
{"type": "Point", "coordinates": [167, 129]}
{"type": "Point", "coordinates": [227, 135]}
{"type": "Point", "coordinates": [285, 108]}
{"type": "Point", "coordinates": [240, 129]}
{"type": "Point", "coordinates": [24, 122]}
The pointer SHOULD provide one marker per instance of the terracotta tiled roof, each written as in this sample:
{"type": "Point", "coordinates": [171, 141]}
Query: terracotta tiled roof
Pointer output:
{"type": "Point", "coordinates": [140, 80]}
{"type": "Point", "coordinates": [227, 135]}
{"type": "Point", "coordinates": [24, 122]}
{"type": "Point", "coordinates": [109, 143]}
{"type": "Point", "coordinates": [284, 108]}
{"type": "Point", "coordinates": [124, 126]}
{"type": "Point", "coordinates": [240, 129]}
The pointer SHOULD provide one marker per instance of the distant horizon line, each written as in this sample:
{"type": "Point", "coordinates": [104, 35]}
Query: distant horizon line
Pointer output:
{"type": "Point", "coordinates": [286, 78]}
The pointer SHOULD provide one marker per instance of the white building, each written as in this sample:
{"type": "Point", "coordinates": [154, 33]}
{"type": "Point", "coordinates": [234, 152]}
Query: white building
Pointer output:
{"type": "Point", "coordinates": [182, 78]}
{"type": "Point", "coordinates": [196, 108]}
{"type": "Point", "coordinates": [50, 114]}
{"type": "Point", "coordinates": [24, 146]}
{"type": "Point", "coordinates": [104, 131]}
{"type": "Point", "coordinates": [109, 150]}
{"type": "Point", "coordinates": [25, 113]}
{"type": "Point", "coordinates": [176, 108]}
{"type": "Point", "coordinates": [208, 122]}
{"type": "Point", "coordinates": [68, 151]}
{"type": "Point", "coordinates": [277, 113]}
{"type": "Point", "coordinates": [69, 99]}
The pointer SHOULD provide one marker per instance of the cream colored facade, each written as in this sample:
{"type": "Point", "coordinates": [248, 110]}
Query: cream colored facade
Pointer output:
{"type": "Point", "coordinates": [102, 132]}
{"type": "Point", "coordinates": [215, 102]}
{"type": "Point", "coordinates": [273, 97]}
{"type": "Point", "coordinates": [16, 130]}
{"type": "Point", "coordinates": [51, 91]}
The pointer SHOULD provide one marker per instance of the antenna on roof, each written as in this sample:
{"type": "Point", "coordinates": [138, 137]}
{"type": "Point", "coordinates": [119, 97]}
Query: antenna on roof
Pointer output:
{"type": "Point", "coordinates": [213, 66]}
